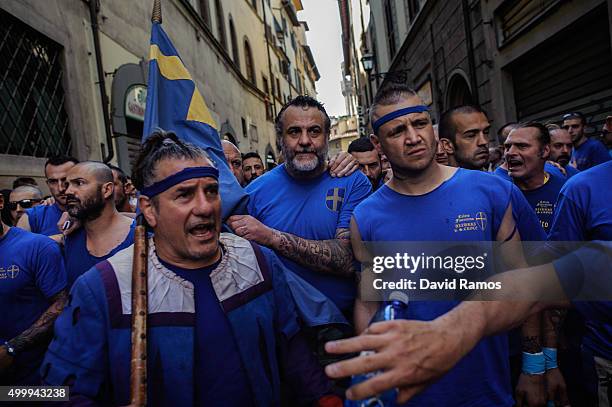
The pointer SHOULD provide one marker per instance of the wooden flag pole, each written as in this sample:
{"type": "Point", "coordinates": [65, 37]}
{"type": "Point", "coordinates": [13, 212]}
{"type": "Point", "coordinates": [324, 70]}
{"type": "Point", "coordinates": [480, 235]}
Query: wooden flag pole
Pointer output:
{"type": "Point", "coordinates": [138, 364]}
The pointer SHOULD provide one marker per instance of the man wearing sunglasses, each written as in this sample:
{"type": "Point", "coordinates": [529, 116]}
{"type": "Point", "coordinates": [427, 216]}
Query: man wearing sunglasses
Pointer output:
{"type": "Point", "coordinates": [22, 198]}
{"type": "Point", "coordinates": [43, 219]}
{"type": "Point", "coordinates": [587, 152]}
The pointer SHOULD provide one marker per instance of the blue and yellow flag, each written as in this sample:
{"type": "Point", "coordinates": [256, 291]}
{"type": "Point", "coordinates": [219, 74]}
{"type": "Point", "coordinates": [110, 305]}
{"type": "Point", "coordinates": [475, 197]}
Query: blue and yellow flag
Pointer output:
{"type": "Point", "coordinates": [174, 103]}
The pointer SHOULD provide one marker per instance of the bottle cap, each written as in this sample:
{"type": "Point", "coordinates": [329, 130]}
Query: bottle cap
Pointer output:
{"type": "Point", "coordinates": [399, 296]}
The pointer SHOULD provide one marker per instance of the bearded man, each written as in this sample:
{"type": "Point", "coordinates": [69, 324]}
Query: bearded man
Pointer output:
{"type": "Point", "coordinates": [300, 211]}
{"type": "Point", "coordinates": [103, 231]}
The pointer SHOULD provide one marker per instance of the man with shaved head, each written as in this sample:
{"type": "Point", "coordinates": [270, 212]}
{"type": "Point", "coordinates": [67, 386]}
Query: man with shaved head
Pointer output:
{"type": "Point", "coordinates": [426, 201]}
{"type": "Point", "coordinates": [43, 219]}
{"type": "Point", "coordinates": [103, 230]}
{"type": "Point", "coordinates": [561, 148]}
{"type": "Point", "coordinates": [22, 198]}
{"type": "Point", "coordinates": [234, 160]}
{"type": "Point", "coordinates": [464, 135]}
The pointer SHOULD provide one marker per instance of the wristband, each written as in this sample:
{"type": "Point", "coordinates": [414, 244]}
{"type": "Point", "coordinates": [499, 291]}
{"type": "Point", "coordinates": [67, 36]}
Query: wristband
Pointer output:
{"type": "Point", "coordinates": [550, 358]}
{"type": "Point", "coordinates": [534, 363]}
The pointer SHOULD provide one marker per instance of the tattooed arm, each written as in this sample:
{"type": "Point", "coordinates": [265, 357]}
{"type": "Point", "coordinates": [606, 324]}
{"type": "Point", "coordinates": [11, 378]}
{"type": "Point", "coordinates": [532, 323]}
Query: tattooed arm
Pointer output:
{"type": "Point", "coordinates": [38, 332]}
{"type": "Point", "coordinates": [332, 256]}
{"type": "Point", "coordinates": [326, 256]}
{"type": "Point", "coordinates": [552, 321]}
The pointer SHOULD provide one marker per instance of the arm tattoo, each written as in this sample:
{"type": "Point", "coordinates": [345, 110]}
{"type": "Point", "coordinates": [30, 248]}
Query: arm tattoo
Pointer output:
{"type": "Point", "coordinates": [551, 326]}
{"type": "Point", "coordinates": [332, 256]}
{"type": "Point", "coordinates": [531, 344]}
{"type": "Point", "coordinates": [531, 334]}
{"type": "Point", "coordinates": [42, 329]}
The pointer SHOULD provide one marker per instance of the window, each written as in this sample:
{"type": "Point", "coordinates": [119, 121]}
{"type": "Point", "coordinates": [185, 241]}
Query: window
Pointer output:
{"type": "Point", "coordinates": [248, 61]}
{"type": "Point", "coordinates": [244, 127]}
{"type": "Point", "coordinates": [254, 4]}
{"type": "Point", "coordinates": [389, 9]}
{"type": "Point", "coordinates": [33, 121]}
{"type": "Point", "coordinates": [235, 52]}
{"type": "Point", "coordinates": [220, 24]}
{"type": "Point", "coordinates": [278, 89]}
{"type": "Point", "coordinates": [268, 100]}
{"type": "Point", "coordinates": [293, 41]}
{"type": "Point", "coordinates": [205, 12]}
{"type": "Point", "coordinates": [413, 7]}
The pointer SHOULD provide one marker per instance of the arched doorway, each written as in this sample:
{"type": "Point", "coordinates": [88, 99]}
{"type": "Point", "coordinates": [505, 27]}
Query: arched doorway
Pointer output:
{"type": "Point", "coordinates": [458, 91]}
{"type": "Point", "coordinates": [270, 158]}
{"type": "Point", "coordinates": [226, 132]}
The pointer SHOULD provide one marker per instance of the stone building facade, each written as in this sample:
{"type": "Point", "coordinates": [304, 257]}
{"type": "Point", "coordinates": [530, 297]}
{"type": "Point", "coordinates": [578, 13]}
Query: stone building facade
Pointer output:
{"type": "Point", "coordinates": [519, 59]}
{"type": "Point", "coordinates": [247, 57]}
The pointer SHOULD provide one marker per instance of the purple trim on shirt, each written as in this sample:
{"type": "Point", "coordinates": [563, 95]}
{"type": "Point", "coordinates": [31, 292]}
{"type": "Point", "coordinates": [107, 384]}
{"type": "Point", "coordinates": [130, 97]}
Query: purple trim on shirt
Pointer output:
{"type": "Point", "coordinates": [242, 298]}
{"type": "Point", "coordinates": [113, 295]}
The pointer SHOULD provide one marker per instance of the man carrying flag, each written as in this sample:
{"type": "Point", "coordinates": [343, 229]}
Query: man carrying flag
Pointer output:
{"type": "Point", "coordinates": [223, 325]}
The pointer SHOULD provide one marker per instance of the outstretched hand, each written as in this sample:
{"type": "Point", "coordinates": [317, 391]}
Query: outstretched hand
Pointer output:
{"type": "Point", "coordinates": [410, 354]}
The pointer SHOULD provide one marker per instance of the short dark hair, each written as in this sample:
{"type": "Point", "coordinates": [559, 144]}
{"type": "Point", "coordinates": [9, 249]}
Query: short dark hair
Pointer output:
{"type": "Point", "coordinates": [251, 154]}
{"type": "Point", "coordinates": [60, 159]}
{"type": "Point", "coordinates": [120, 172]}
{"type": "Point", "coordinates": [447, 128]}
{"type": "Point", "coordinates": [300, 101]}
{"type": "Point", "coordinates": [389, 95]}
{"type": "Point", "coordinates": [24, 181]}
{"type": "Point", "coordinates": [161, 145]}
{"type": "Point", "coordinates": [361, 145]}
{"type": "Point", "coordinates": [574, 115]}
{"type": "Point", "coordinates": [544, 134]}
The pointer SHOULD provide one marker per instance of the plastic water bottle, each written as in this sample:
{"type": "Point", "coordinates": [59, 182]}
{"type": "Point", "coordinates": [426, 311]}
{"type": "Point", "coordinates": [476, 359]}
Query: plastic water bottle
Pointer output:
{"type": "Point", "coordinates": [395, 308]}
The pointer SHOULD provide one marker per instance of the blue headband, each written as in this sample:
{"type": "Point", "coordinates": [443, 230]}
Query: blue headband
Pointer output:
{"type": "Point", "coordinates": [397, 113]}
{"type": "Point", "coordinates": [187, 173]}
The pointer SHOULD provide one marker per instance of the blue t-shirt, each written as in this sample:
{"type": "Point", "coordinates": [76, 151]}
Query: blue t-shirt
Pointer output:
{"type": "Point", "coordinates": [221, 378]}
{"type": "Point", "coordinates": [544, 198]}
{"type": "Point", "coordinates": [31, 272]}
{"type": "Point", "coordinates": [482, 377]}
{"type": "Point", "coordinates": [311, 209]}
{"type": "Point", "coordinates": [77, 257]}
{"type": "Point", "coordinates": [527, 222]}
{"type": "Point", "coordinates": [589, 154]}
{"type": "Point", "coordinates": [43, 219]}
{"type": "Point", "coordinates": [584, 212]}
{"type": "Point", "coordinates": [571, 171]}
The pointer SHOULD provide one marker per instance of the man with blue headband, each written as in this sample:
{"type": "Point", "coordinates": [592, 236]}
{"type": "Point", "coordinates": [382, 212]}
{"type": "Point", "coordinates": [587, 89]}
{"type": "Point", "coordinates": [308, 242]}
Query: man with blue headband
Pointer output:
{"type": "Point", "coordinates": [222, 324]}
{"type": "Point", "coordinates": [425, 202]}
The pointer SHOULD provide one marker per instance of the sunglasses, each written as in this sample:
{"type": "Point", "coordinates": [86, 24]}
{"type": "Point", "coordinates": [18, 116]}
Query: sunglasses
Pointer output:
{"type": "Point", "coordinates": [24, 203]}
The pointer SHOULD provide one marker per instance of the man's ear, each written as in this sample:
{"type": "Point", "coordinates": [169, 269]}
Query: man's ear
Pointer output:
{"type": "Point", "coordinates": [447, 146]}
{"type": "Point", "coordinates": [376, 142]}
{"type": "Point", "coordinates": [108, 190]}
{"type": "Point", "coordinates": [1, 201]}
{"type": "Point", "coordinates": [546, 152]}
{"type": "Point", "coordinates": [148, 210]}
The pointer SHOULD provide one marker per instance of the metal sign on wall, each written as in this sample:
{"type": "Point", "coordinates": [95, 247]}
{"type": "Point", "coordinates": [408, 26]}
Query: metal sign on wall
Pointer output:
{"type": "Point", "coordinates": [136, 102]}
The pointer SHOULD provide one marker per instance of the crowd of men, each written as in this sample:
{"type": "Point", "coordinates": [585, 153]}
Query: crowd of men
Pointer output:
{"type": "Point", "coordinates": [241, 309]}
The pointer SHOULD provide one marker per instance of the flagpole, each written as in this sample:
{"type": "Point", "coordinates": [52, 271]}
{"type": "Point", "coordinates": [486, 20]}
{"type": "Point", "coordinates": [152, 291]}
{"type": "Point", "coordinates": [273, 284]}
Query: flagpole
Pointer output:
{"type": "Point", "coordinates": [140, 292]}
